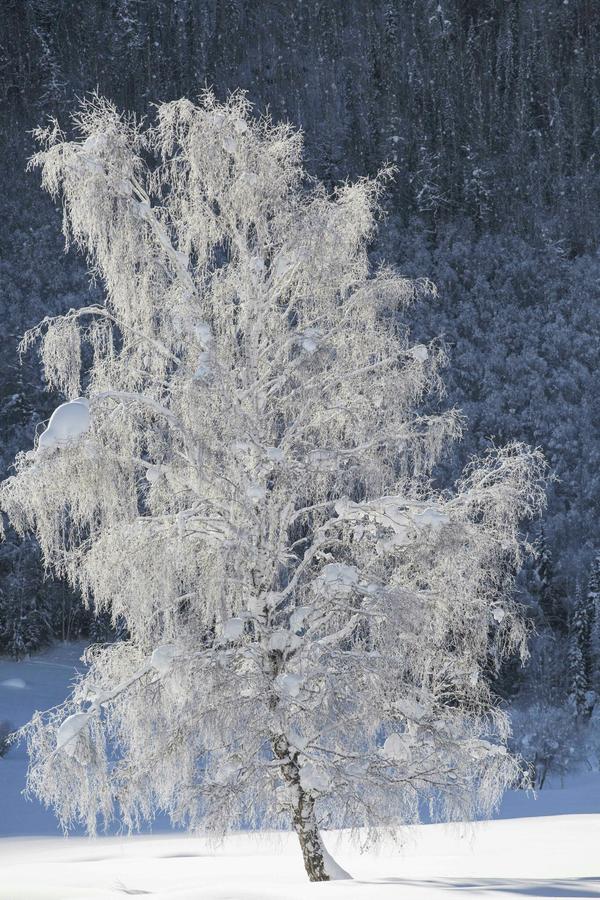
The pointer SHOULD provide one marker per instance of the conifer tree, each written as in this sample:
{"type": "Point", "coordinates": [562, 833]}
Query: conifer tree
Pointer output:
{"type": "Point", "coordinates": [579, 644]}
{"type": "Point", "coordinates": [545, 587]}
{"type": "Point", "coordinates": [593, 615]}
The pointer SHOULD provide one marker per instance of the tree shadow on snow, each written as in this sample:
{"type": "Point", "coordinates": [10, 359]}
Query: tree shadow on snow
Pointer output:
{"type": "Point", "coordinates": [588, 887]}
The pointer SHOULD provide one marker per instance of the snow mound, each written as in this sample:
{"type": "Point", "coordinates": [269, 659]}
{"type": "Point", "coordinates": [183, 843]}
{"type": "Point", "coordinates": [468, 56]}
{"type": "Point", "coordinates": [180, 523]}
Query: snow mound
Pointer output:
{"type": "Point", "coordinates": [290, 685]}
{"type": "Point", "coordinates": [298, 617]}
{"type": "Point", "coordinates": [279, 640]}
{"type": "Point", "coordinates": [69, 731]}
{"type": "Point", "coordinates": [67, 423]}
{"type": "Point", "coordinates": [162, 658]}
{"type": "Point", "coordinates": [233, 629]}
{"type": "Point", "coordinates": [153, 473]}
{"type": "Point", "coordinates": [393, 746]}
{"type": "Point", "coordinates": [274, 454]}
{"type": "Point", "coordinates": [333, 869]}
{"type": "Point", "coordinates": [16, 683]}
{"type": "Point", "coordinates": [256, 492]}
{"type": "Point", "coordinates": [314, 778]}
{"type": "Point", "coordinates": [339, 576]}
{"type": "Point", "coordinates": [419, 352]}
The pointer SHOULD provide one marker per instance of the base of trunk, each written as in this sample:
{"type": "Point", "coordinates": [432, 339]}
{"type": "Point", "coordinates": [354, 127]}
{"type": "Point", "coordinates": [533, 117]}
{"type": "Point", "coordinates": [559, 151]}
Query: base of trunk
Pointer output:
{"type": "Point", "coordinates": [313, 853]}
{"type": "Point", "coordinates": [319, 865]}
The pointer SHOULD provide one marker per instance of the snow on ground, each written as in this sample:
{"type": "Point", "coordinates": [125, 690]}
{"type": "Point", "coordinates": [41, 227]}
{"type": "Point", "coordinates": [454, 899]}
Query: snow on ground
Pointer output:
{"type": "Point", "coordinates": [555, 856]}
{"type": "Point", "coordinates": [547, 846]}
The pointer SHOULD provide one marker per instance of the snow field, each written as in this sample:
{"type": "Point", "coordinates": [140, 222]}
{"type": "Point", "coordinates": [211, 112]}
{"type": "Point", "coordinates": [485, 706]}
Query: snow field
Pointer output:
{"type": "Point", "coordinates": [555, 856]}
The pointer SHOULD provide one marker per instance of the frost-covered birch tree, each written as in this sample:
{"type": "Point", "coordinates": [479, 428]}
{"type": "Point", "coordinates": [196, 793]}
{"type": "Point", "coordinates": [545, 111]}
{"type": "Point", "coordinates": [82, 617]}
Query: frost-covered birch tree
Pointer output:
{"type": "Point", "coordinates": [241, 474]}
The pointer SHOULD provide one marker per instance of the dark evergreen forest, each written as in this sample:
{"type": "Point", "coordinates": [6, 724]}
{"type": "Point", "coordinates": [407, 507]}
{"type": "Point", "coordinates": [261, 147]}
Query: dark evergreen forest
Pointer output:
{"type": "Point", "coordinates": [490, 110]}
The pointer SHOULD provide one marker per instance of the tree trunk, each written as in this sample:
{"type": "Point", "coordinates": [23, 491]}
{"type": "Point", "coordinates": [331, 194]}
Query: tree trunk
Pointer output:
{"type": "Point", "coordinates": [317, 862]}
{"type": "Point", "coordinates": [305, 826]}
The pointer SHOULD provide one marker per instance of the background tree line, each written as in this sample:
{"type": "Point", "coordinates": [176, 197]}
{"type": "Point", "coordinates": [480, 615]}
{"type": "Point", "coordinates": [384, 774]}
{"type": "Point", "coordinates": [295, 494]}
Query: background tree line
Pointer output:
{"type": "Point", "coordinates": [490, 111]}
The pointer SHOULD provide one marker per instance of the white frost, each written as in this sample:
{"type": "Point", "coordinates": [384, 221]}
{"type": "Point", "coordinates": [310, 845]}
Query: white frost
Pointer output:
{"type": "Point", "coordinates": [250, 178]}
{"type": "Point", "coordinates": [402, 516]}
{"type": "Point", "coordinates": [325, 459]}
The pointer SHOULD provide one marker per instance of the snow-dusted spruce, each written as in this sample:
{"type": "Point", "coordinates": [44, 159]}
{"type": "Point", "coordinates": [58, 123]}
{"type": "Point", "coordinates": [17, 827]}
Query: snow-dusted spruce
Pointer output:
{"type": "Point", "coordinates": [247, 487]}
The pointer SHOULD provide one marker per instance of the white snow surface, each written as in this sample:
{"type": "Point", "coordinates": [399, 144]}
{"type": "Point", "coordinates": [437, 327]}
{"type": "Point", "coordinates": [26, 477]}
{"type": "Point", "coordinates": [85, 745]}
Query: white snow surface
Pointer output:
{"type": "Point", "coordinates": [67, 423]}
{"type": "Point", "coordinates": [555, 856]}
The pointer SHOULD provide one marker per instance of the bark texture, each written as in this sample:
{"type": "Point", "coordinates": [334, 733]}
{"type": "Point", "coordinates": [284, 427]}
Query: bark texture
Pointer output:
{"type": "Point", "coordinates": [303, 813]}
